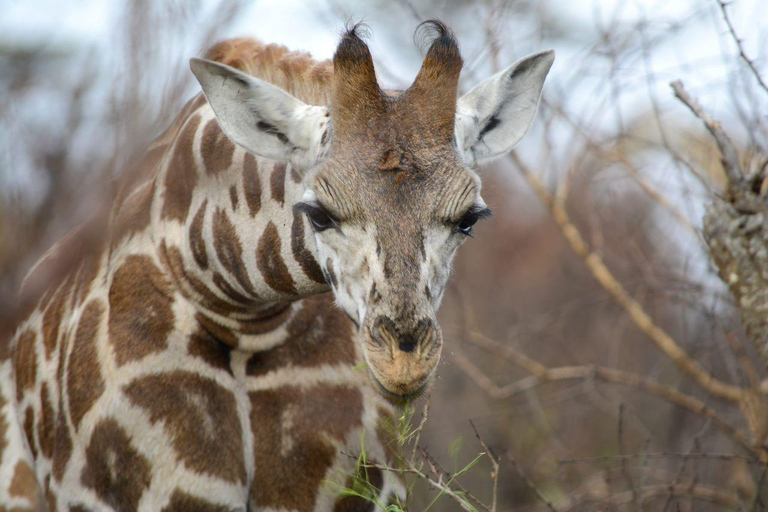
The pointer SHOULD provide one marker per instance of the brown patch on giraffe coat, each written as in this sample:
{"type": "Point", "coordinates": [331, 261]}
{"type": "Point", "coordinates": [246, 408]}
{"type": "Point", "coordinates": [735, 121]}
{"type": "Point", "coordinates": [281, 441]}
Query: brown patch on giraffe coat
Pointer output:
{"type": "Point", "coordinates": [277, 183]}
{"type": "Point", "coordinates": [52, 319]}
{"type": "Point", "coordinates": [226, 242]}
{"type": "Point", "coordinates": [85, 383]}
{"type": "Point", "coordinates": [191, 106]}
{"type": "Point", "coordinates": [181, 176]}
{"type": "Point", "coordinates": [201, 418]}
{"type": "Point", "coordinates": [63, 446]}
{"type": "Point", "coordinates": [50, 497]}
{"type": "Point", "coordinates": [134, 214]}
{"type": "Point", "coordinates": [317, 334]}
{"type": "Point", "coordinates": [24, 482]}
{"type": "Point", "coordinates": [295, 176]}
{"type": "Point", "coordinates": [140, 316]}
{"type": "Point", "coordinates": [196, 241]}
{"type": "Point", "coordinates": [146, 166]}
{"type": "Point", "coordinates": [114, 469]}
{"type": "Point", "coordinates": [251, 184]}
{"type": "Point", "coordinates": [25, 362]}
{"type": "Point", "coordinates": [270, 262]}
{"type": "Point", "coordinates": [302, 254]}
{"type": "Point", "coordinates": [227, 289]}
{"type": "Point", "coordinates": [216, 148]}
{"type": "Point", "coordinates": [45, 424]}
{"type": "Point", "coordinates": [216, 330]}
{"type": "Point", "coordinates": [208, 348]}
{"type": "Point", "coordinates": [267, 320]}
{"type": "Point", "coordinates": [29, 426]}
{"type": "Point", "coordinates": [174, 262]}
{"type": "Point", "coordinates": [292, 457]}
{"type": "Point", "coordinates": [233, 197]}
{"type": "Point", "coordinates": [86, 274]}
{"type": "Point", "coordinates": [183, 502]}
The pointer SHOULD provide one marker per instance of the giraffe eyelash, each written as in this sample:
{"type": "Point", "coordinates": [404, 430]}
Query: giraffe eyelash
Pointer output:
{"type": "Point", "coordinates": [469, 219]}
{"type": "Point", "coordinates": [318, 216]}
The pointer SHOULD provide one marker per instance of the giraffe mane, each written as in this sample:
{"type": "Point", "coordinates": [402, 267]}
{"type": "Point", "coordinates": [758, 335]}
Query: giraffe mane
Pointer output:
{"type": "Point", "coordinates": [297, 73]}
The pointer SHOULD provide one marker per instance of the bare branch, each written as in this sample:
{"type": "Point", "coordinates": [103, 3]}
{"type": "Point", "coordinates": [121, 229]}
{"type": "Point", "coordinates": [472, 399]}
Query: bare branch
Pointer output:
{"type": "Point", "coordinates": [730, 156]}
{"type": "Point", "coordinates": [611, 376]}
{"type": "Point", "coordinates": [636, 312]}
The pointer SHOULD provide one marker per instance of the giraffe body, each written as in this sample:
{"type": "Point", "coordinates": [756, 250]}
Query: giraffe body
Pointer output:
{"type": "Point", "coordinates": [193, 358]}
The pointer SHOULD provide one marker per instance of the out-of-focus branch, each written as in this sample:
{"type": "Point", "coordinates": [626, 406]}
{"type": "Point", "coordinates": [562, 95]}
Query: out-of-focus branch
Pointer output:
{"type": "Point", "coordinates": [742, 54]}
{"type": "Point", "coordinates": [613, 155]}
{"type": "Point", "coordinates": [730, 156]}
{"type": "Point", "coordinates": [620, 500]}
{"type": "Point", "coordinates": [634, 309]}
{"type": "Point", "coordinates": [641, 456]}
{"type": "Point", "coordinates": [603, 374]}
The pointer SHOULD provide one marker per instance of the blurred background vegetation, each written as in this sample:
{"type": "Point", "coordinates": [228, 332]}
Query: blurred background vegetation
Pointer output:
{"type": "Point", "coordinates": [532, 319]}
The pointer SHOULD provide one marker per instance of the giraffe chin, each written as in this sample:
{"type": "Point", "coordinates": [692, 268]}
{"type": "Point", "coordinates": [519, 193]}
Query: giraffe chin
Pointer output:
{"type": "Point", "coordinates": [399, 399]}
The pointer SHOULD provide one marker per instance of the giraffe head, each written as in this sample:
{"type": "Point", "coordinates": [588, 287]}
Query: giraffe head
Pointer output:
{"type": "Point", "coordinates": [388, 180]}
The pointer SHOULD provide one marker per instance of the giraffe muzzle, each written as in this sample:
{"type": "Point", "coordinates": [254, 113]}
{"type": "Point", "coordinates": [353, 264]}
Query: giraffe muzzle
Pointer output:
{"type": "Point", "coordinates": [401, 359]}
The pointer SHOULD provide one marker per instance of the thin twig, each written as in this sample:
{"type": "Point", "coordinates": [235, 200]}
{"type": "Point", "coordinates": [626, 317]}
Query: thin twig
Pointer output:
{"type": "Point", "coordinates": [742, 54]}
{"type": "Point", "coordinates": [435, 484]}
{"type": "Point", "coordinates": [441, 474]}
{"type": "Point", "coordinates": [530, 484]}
{"type": "Point", "coordinates": [417, 432]}
{"type": "Point", "coordinates": [494, 466]}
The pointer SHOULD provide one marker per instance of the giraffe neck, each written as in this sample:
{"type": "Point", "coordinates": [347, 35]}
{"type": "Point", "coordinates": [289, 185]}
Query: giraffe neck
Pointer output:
{"type": "Point", "coordinates": [222, 224]}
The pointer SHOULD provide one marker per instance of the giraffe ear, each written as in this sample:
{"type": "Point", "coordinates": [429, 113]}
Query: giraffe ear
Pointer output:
{"type": "Point", "coordinates": [496, 114]}
{"type": "Point", "coordinates": [261, 117]}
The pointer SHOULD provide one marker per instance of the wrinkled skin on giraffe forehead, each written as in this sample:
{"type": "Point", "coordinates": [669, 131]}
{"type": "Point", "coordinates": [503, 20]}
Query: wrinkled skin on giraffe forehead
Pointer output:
{"type": "Point", "coordinates": [389, 186]}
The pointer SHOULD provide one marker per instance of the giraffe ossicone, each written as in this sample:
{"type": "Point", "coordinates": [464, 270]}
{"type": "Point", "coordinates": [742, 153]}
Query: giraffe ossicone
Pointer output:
{"type": "Point", "coordinates": [294, 222]}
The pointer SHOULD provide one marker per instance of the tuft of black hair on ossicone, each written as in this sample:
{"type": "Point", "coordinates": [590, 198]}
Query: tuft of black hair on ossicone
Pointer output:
{"type": "Point", "coordinates": [352, 45]}
{"type": "Point", "coordinates": [434, 34]}
{"type": "Point", "coordinates": [356, 30]}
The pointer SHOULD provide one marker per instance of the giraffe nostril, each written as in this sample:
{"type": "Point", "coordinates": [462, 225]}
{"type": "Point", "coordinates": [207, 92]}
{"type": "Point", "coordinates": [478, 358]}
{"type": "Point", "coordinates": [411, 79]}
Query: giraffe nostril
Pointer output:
{"type": "Point", "coordinates": [407, 344]}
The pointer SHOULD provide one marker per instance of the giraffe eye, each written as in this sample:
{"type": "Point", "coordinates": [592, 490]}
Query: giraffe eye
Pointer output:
{"type": "Point", "coordinates": [470, 219]}
{"type": "Point", "coordinates": [318, 217]}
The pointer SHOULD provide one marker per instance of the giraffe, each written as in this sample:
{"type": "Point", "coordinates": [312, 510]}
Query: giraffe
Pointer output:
{"type": "Point", "coordinates": [265, 296]}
